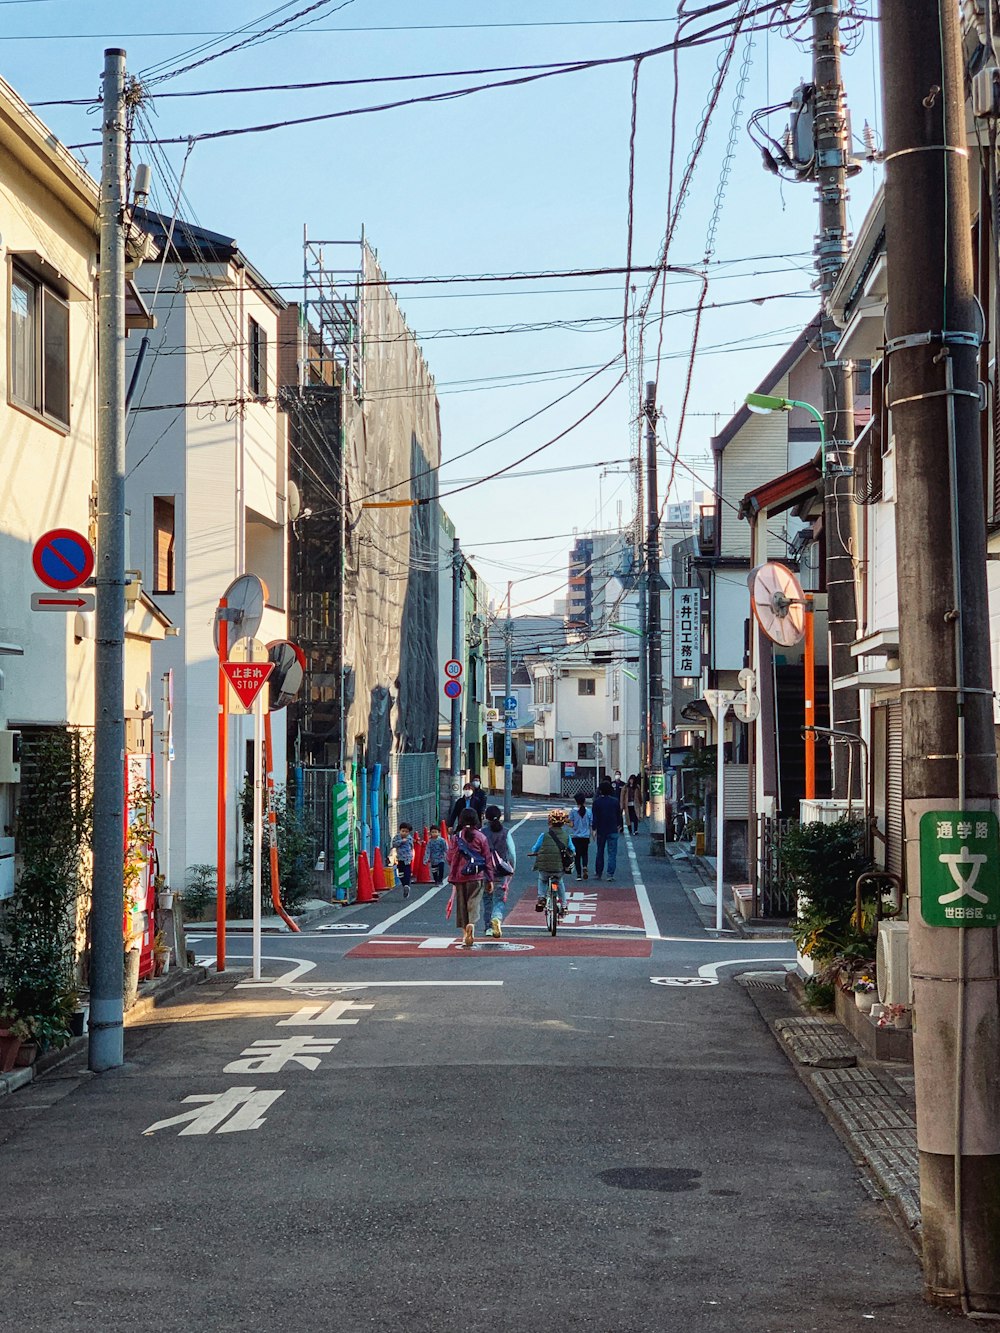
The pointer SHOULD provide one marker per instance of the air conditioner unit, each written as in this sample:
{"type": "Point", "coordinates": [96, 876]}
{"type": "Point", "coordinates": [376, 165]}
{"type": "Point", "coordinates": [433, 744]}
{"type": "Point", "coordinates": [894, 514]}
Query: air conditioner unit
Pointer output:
{"type": "Point", "coordinates": [10, 756]}
{"type": "Point", "coordinates": [892, 963]}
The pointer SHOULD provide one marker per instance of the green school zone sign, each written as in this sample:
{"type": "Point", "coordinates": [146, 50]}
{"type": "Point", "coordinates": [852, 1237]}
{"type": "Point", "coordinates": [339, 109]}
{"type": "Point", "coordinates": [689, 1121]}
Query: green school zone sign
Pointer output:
{"type": "Point", "coordinates": [960, 868]}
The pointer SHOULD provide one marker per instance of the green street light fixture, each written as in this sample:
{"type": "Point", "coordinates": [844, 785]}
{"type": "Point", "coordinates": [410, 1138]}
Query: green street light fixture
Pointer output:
{"type": "Point", "coordinates": [766, 402]}
{"type": "Point", "coordinates": [627, 629]}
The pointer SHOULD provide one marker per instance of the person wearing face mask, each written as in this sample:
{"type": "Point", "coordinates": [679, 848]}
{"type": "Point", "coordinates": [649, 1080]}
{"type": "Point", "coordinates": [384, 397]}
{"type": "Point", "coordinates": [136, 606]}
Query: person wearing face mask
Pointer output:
{"type": "Point", "coordinates": [472, 798]}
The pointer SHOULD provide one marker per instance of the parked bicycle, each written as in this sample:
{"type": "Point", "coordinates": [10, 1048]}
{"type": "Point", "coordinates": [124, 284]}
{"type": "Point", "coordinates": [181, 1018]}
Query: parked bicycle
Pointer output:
{"type": "Point", "coordinates": [553, 904]}
{"type": "Point", "coordinates": [683, 830]}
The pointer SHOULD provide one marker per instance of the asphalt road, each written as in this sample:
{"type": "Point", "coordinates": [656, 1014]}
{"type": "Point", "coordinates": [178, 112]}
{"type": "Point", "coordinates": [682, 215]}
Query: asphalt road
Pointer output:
{"type": "Point", "coordinates": [384, 1135]}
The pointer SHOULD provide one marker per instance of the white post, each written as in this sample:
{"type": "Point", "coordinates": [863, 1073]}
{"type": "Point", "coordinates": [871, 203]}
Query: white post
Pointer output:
{"type": "Point", "coordinates": [166, 747]}
{"type": "Point", "coordinates": [258, 825]}
{"type": "Point", "coordinates": [719, 807]}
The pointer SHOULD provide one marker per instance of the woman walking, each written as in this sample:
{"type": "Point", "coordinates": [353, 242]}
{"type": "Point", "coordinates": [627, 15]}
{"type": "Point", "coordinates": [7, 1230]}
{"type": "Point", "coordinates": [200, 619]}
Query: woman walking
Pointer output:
{"type": "Point", "coordinates": [632, 797]}
{"type": "Point", "coordinates": [469, 866]}
{"type": "Point", "coordinates": [581, 827]}
{"type": "Point", "coordinates": [503, 864]}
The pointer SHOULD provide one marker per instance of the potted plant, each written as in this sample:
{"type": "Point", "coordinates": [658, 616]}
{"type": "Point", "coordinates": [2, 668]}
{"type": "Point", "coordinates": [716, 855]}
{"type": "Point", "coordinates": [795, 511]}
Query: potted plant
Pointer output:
{"type": "Point", "coordinates": [865, 992]}
{"type": "Point", "coordinates": [164, 896]}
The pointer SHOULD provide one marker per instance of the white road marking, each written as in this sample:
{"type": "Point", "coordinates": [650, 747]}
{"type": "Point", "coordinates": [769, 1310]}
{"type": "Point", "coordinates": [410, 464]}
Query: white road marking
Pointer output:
{"type": "Point", "coordinates": [383, 926]}
{"type": "Point", "coordinates": [271, 1057]}
{"type": "Point", "coordinates": [684, 981]}
{"type": "Point", "coordinates": [438, 942]}
{"type": "Point", "coordinates": [242, 1106]}
{"type": "Point", "coordinates": [315, 1015]}
{"type": "Point", "coordinates": [712, 969]}
{"type": "Point", "coordinates": [302, 965]}
{"type": "Point", "coordinates": [316, 989]}
{"type": "Point", "coordinates": [645, 906]}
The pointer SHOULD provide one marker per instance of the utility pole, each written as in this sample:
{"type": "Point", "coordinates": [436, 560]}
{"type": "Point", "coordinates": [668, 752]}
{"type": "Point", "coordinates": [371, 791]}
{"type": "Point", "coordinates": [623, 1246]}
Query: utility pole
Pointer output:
{"type": "Point", "coordinates": [458, 653]}
{"type": "Point", "coordinates": [508, 767]}
{"type": "Point", "coordinates": [839, 511]}
{"type": "Point", "coordinates": [654, 638]}
{"type": "Point", "coordinates": [932, 339]}
{"type": "Point", "coordinates": [106, 1044]}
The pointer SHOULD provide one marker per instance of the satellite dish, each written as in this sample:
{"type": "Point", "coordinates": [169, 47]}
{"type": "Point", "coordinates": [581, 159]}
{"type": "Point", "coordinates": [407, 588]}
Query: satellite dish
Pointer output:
{"type": "Point", "coordinates": [285, 681]}
{"type": "Point", "coordinates": [245, 598]}
{"type": "Point", "coordinates": [778, 603]}
{"type": "Point", "coordinates": [746, 707]}
{"type": "Point", "coordinates": [294, 501]}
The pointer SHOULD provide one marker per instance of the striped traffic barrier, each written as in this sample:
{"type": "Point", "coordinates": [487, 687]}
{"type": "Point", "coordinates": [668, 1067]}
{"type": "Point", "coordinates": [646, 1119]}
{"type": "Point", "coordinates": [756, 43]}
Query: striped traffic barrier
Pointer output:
{"type": "Point", "coordinates": [341, 842]}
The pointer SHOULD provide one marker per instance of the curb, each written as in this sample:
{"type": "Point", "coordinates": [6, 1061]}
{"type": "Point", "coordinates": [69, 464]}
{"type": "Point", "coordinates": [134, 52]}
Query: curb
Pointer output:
{"type": "Point", "coordinates": [161, 989]}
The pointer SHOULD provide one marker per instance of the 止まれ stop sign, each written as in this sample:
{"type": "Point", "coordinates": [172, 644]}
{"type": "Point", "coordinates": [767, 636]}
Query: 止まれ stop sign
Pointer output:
{"type": "Point", "coordinates": [247, 679]}
{"type": "Point", "coordinates": [63, 558]}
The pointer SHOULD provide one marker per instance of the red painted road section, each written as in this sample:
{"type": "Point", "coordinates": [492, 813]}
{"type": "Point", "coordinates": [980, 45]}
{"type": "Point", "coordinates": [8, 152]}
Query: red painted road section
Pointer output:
{"type": "Point", "coordinates": [604, 906]}
{"type": "Point", "coordinates": [573, 946]}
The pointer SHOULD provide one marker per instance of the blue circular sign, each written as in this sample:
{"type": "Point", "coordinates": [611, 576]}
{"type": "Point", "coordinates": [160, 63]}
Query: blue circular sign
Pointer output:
{"type": "Point", "coordinates": [63, 559]}
{"type": "Point", "coordinates": [453, 688]}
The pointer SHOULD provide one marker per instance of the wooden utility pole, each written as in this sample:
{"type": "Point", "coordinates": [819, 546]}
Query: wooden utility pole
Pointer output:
{"type": "Point", "coordinates": [654, 637]}
{"type": "Point", "coordinates": [949, 753]}
{"type": "Point", "coordinates": [839, 512]}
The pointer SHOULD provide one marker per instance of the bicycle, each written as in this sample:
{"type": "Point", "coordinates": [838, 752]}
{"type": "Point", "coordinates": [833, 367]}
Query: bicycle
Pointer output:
{"type": "Point", "coordinates": [553, 907]}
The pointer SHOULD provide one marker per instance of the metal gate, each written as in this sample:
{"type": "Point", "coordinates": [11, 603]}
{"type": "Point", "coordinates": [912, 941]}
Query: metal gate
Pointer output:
{"type": "Point", "coordinates": [774, 897]}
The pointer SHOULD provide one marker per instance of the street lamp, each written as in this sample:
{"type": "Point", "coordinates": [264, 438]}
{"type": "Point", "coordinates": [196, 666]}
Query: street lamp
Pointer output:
{"type": "Point", "coordinates": [766, 402]}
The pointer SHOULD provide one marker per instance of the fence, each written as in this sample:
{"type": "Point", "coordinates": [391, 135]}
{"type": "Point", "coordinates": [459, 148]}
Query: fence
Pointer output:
{"type": "Point", "coordinates": [773, 897]}
{"type": "Point", "coordinates": [413, 788]}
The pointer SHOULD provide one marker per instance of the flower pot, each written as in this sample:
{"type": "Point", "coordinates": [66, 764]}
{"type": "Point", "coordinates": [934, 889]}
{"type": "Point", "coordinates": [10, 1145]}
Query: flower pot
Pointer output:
{"type": "Point", "coordinates": [27, 1055]}
{"type": "Point", "coordinates": [865, 999]}
{"type": "Point", "coordinates": [165, 900]}
{"type": "Point", "coordinates": [78, 1023]}
{"type": "Point", "coordinates": [161, 961]}
{"type": "Point", "coordinates": [9, 1047]}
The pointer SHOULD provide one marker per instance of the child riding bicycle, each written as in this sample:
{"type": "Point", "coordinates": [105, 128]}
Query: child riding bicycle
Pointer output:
{"type": "Point", "coordinates": [551, 851]}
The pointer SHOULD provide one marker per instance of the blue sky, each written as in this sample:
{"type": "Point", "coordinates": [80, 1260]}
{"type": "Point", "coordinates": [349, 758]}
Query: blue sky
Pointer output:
{"type": "Point", "coordinates": [509, 180]}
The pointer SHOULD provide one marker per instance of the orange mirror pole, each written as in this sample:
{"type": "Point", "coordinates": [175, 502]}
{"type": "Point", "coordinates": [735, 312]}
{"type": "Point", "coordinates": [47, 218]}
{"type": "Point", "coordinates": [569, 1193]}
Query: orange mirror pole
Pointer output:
{"type": "Point", "coordinates": [220, 888]}
{"type": "Point", "coordinates": [272, 826]}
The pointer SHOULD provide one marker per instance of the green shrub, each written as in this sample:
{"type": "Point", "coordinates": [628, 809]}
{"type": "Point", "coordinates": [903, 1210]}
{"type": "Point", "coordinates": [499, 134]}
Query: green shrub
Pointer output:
{"type": "Point", "coordinates": [198, 900]}
{"type": "Point", "coordinates": [821, 863]}
{"type": "Point", "coordinates": [297, 843]}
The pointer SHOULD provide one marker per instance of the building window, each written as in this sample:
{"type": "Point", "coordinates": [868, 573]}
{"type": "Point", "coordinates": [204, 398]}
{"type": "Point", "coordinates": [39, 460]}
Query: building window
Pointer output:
{"type": "Point", "coordinates": [586, 685]}
{"type": "Point", "coordinates": [38, 348]}
{"type": "Point", "coordinates": [163, 544]}
{"type": "Point", "coordinates": [543, 690]}
{"type": "Point", "coordinates": [585, 749]}
{"type": "Point", "coordinates": [257, 365]}
{"type": "Point", "coordinates": [615, 712]}
{"type": "Point", "coordinates": [550, 751]}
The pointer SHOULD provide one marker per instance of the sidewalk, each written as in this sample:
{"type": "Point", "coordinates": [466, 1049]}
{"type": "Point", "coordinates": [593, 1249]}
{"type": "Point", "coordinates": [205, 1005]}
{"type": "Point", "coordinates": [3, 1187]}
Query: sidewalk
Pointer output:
{"type": "Point", "coordinates": [870, 1103]}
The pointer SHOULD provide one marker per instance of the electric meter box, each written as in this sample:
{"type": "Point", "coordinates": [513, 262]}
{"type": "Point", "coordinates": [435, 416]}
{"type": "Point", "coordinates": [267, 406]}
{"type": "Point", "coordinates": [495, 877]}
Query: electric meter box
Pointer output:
{"type": "Point", "coordinates": [10, 756]}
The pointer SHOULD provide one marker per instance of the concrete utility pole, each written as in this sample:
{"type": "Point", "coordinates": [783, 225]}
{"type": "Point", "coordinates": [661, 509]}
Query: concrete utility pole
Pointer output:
{"type": "Point", "coordinates": [839, 511]}
{"type": "Point", "coordinates": [949, 752]}
{"type": "Point", "coordinates": [106, 1045]}
{"type": "Point", "coordinates": [458, 653]}
{"type": "Point", "coordinates": [654, 638]}
{"type": "Point", "coordinates": [508, 766]}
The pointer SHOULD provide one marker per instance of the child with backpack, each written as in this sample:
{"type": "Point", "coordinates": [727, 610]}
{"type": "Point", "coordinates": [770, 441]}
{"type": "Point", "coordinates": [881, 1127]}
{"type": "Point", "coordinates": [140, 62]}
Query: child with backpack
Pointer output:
{"type": "Point", "coordinates": [469, 865]}
{"type": "Point", "coordinates": [436, 855]}
{"type": "Point", "coordinates": [553, 857]}
{"type": "Point", "coordinates": [402, 845]}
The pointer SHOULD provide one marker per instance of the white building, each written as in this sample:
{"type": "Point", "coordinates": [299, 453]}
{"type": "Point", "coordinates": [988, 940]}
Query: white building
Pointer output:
{"type": "Point", "coordinates": [207, 491]}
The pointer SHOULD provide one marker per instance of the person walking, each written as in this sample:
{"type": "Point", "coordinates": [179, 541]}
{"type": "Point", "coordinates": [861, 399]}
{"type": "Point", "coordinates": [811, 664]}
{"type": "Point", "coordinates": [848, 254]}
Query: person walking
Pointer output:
{"type": "Point", "coordinates": [633, 799]}
{"type": "Point", "coordinates": [478, 799]}
{"type": "Point", "coordinates": [550, 851]}
{"type": "Point", "coordinates": [580, 827]}
{"type": "Point", "coordinates": [504, 864]}
{"type": "Point", "coordinates": [468, 867]}
{"type": "Point", "coordinates": [606, 817]}
{"type": "Point", "coordinates": [463, 802]}
{"type": "Point", "coordinates": [402, 845]}
{"type": "Point", "coordinates": [436, 855]}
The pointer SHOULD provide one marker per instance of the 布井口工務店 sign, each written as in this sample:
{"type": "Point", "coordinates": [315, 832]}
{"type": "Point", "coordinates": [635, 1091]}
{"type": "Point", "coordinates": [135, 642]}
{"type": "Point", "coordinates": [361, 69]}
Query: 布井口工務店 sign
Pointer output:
{"type": "Point", "coordinates": [687, 632]}
{"type": "Point", "coordinates": [960, 868]}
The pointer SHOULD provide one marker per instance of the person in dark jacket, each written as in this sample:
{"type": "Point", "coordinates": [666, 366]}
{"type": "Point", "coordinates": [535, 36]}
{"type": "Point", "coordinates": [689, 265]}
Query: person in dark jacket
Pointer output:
{"type": "Point", "coordinates": [606, 814]}
{"type": "Point", "coordinates": [466, 801]}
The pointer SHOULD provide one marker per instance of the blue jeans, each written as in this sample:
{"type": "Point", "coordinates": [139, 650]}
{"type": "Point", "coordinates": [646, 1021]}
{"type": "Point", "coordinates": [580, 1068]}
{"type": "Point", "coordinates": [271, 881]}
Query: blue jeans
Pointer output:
{"type": "Point", "coordinates": [609, 840]}
{"type": "Point", "coordinates": [544, 880]}
{"type": "Point", "coordinates": [495, 899]}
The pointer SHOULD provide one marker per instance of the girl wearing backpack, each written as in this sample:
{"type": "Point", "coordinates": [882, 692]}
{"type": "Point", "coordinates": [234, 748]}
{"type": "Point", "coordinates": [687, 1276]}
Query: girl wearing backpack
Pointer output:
{"type": "Point", "coordinates": [469, 864]}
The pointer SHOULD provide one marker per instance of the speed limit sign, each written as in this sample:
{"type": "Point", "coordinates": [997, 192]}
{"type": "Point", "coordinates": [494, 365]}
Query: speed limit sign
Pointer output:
{"type": "Point", "coordinates": [453, 668]}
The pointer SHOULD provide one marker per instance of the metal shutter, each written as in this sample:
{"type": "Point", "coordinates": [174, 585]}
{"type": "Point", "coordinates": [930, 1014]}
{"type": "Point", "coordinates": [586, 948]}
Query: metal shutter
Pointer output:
{"type": "Point", "coordinates": [894, 789]}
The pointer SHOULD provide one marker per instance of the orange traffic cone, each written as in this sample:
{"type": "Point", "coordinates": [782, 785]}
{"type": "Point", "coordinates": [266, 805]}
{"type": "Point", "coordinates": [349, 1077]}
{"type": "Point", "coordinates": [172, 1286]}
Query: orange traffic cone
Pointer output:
{"type": "Point", "coordinates": [366, 889]}
{"type": "Point", "coordinates": [421, 870]}
{"type": "Point", "coordinates": [378, 869]}
{"type": "Point", "coordinates": [444, 828]}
